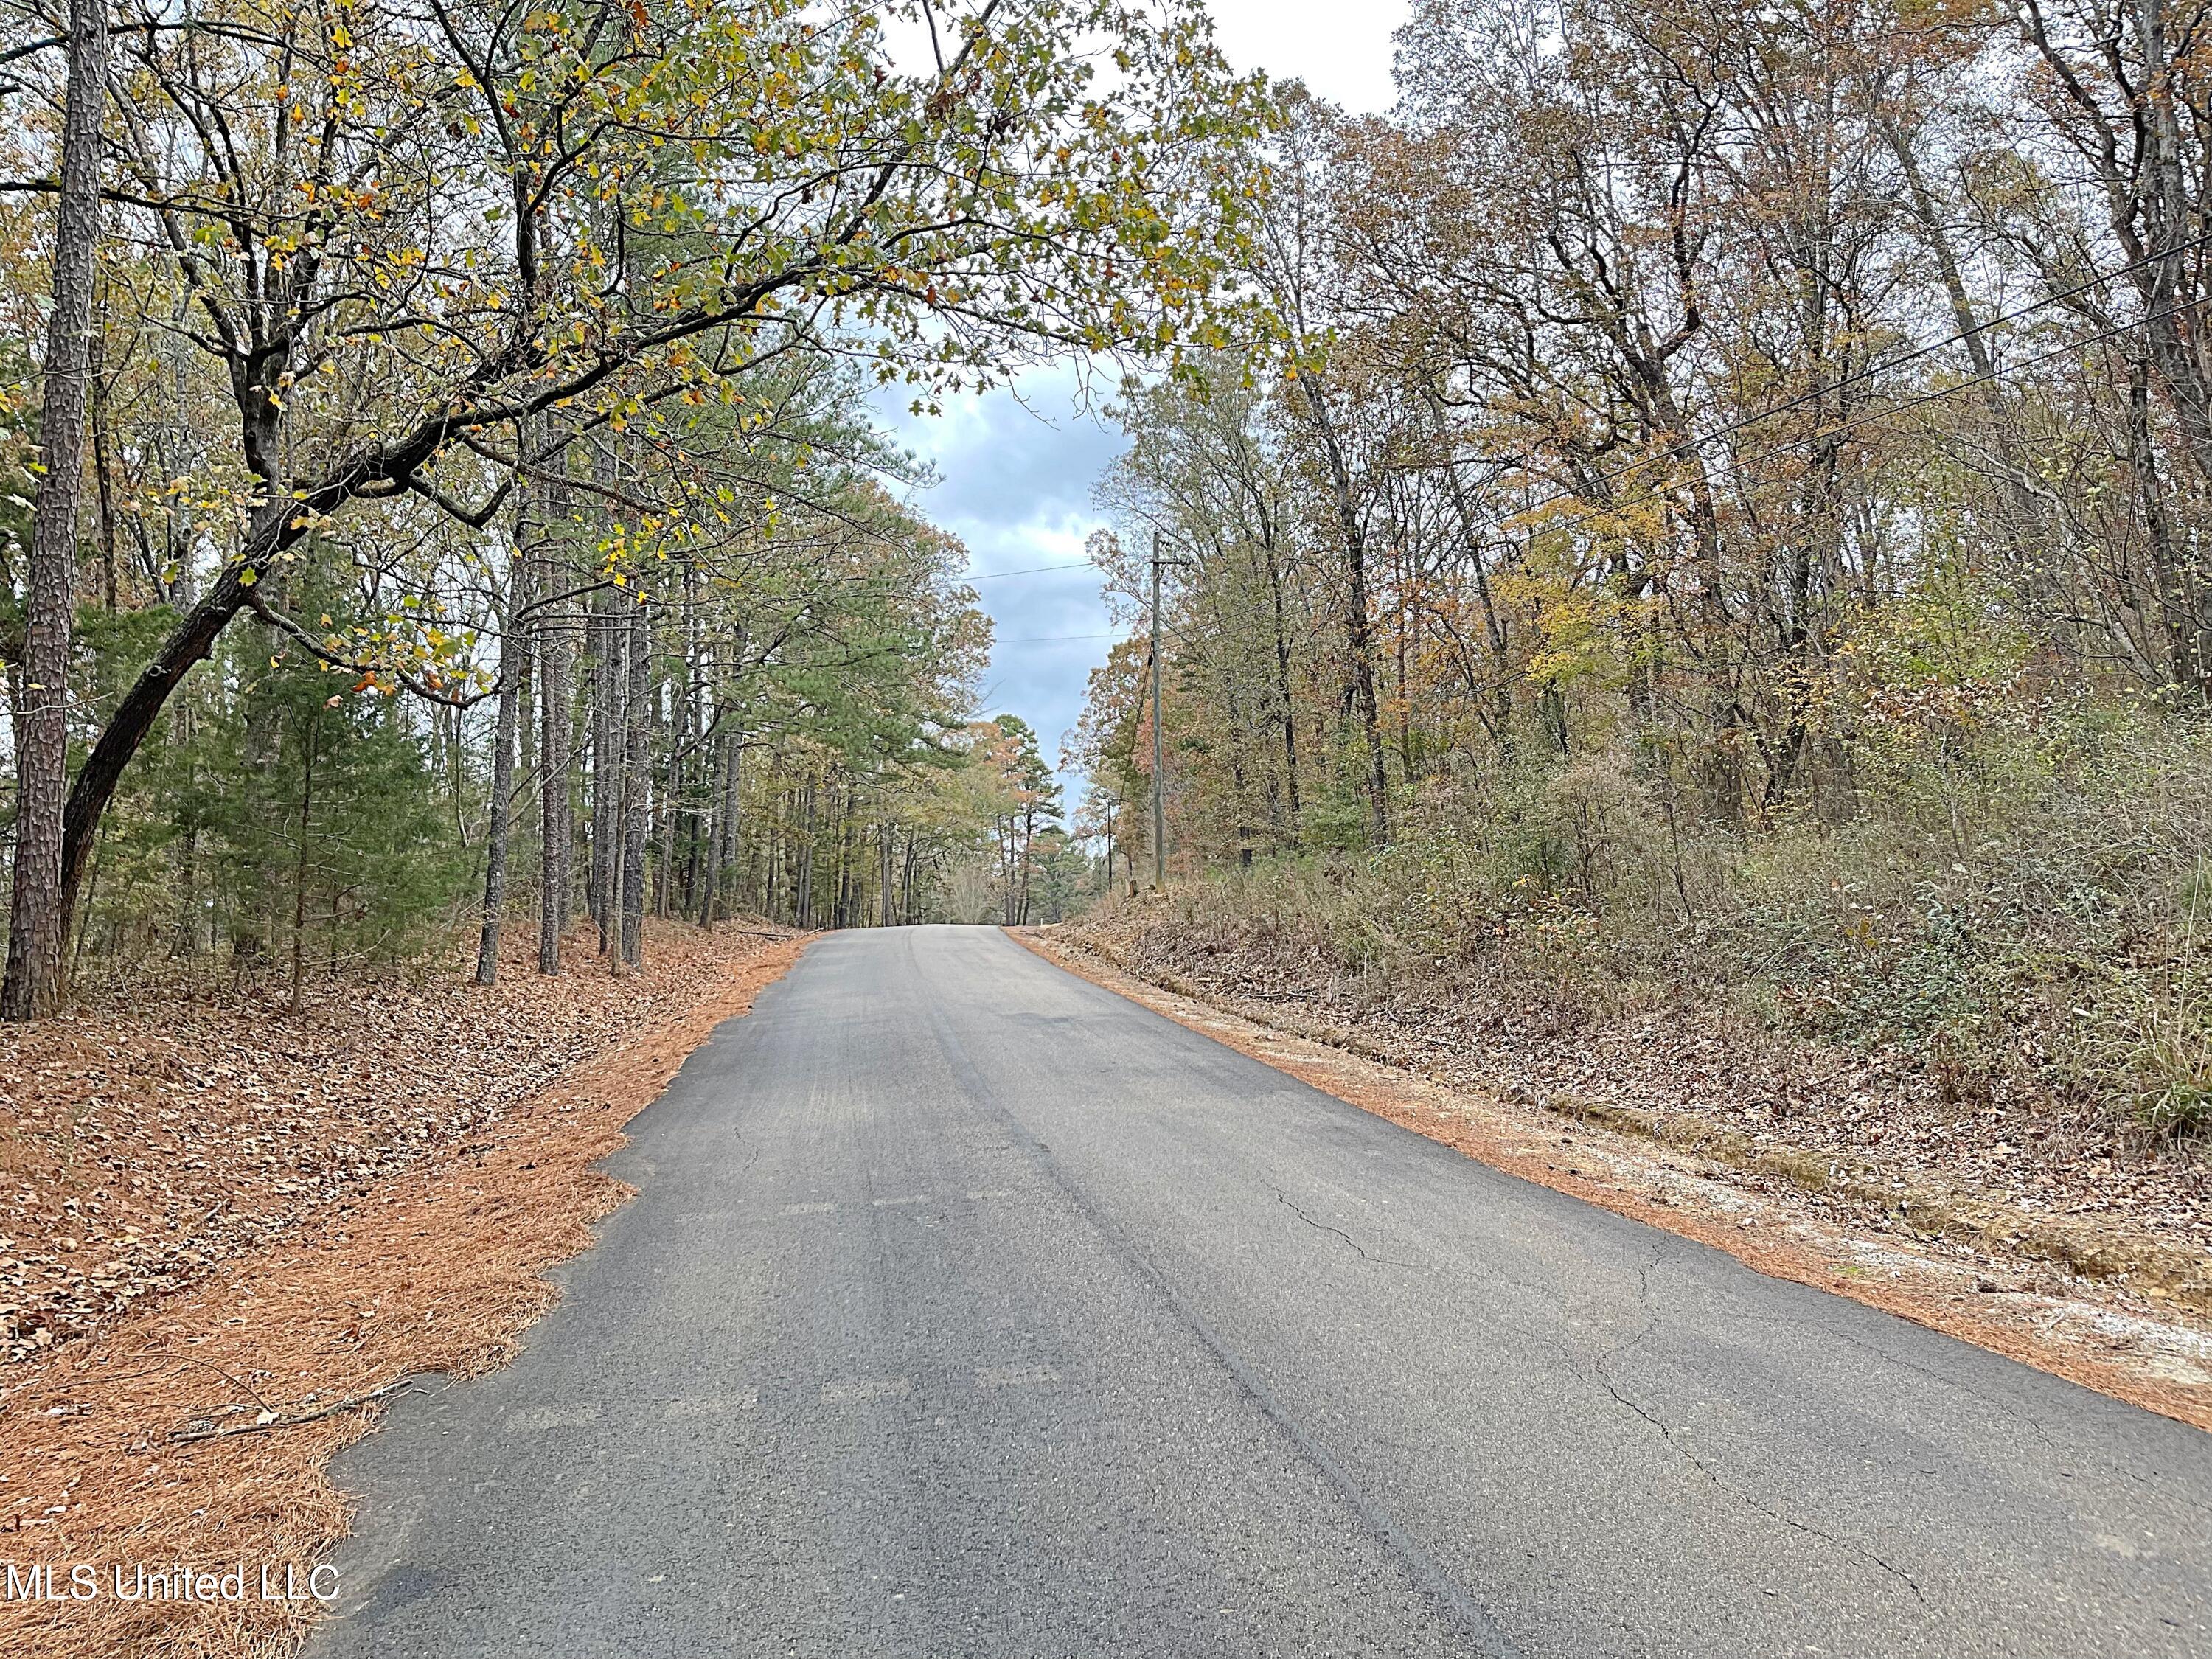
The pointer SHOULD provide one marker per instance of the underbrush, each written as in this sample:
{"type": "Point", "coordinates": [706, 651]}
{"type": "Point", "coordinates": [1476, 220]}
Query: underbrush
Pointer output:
{"type": "Point", "coordinates": [2013, 906]}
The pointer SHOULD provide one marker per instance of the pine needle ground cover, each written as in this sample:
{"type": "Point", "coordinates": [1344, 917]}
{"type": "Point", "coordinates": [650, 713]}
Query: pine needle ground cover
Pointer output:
{"type": "Point", "coordinates": [437, 1159]}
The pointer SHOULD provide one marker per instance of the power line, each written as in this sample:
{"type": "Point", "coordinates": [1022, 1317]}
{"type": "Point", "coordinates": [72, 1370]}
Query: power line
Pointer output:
{"type": "Point", "coordinates": [1725, 469]}
{"type": "Point", "coordinates": [1034, 570]}
{"type": "Point", "coordinates": [1742, 463]}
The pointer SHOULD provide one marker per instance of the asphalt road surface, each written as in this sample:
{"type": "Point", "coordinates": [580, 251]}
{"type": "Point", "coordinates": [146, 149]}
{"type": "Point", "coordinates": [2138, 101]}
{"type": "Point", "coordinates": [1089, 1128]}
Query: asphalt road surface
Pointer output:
{"type": "Point", "coordinates": [968, 1309]}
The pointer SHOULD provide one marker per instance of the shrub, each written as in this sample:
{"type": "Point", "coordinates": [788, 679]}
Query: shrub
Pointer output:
{"type": "Point", "coordinates": [2012, 901]}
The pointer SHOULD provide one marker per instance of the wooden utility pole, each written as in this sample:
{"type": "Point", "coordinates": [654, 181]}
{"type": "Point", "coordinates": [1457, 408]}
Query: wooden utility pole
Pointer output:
{"type": "Point", "coordinates": [1159, 776]}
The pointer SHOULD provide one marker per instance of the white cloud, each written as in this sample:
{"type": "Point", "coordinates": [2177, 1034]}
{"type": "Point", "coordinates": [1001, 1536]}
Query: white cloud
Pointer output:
{"type": "Point", "coordinates": [1341, 53]}
{"type": "Point", "coordinates": [1018, 474]}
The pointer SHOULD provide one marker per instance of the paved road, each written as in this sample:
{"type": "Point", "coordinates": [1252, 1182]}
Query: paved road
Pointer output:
{"type": "Point", "coordinates": [968, 1309]}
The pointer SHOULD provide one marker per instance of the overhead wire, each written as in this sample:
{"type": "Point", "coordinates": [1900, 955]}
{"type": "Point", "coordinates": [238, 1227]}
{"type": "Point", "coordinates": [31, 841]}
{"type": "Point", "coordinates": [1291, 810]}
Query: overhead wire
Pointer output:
{"type": "Point", "coordinates": [1034, 570]}
{"type": "Point", "coordinates": [1744, 463]}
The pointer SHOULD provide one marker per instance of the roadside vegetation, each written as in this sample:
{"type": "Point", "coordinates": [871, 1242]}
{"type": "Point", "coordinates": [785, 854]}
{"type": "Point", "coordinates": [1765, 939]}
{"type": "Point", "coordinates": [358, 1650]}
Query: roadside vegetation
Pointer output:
{"type": "Point", "coordinates": [2020, 923]}
{"type": "Point", "coordinates": [1706, 599]}
{"type": "Point", "coordinates": [465, 615]}
{"type": "Point", "coordinates": [473, 509]}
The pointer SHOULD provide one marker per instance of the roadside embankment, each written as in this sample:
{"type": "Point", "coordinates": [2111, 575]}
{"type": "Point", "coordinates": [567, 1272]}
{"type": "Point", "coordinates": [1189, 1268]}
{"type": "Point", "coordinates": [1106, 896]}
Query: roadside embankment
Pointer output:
{"type": "Point", "coordinates": [2093, 1270]}
{"type": "Point", "coordinates": [1867, 1126]}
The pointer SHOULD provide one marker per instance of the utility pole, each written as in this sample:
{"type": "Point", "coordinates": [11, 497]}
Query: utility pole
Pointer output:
{"type": "Point", "coordinates": [1159, 776]}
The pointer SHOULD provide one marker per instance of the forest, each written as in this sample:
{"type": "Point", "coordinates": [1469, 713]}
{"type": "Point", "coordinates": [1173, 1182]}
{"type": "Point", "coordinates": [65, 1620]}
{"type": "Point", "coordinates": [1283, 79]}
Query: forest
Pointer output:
{"type": "Point", "coordinates": [1600, 1028]}
{"type": "Point", "coordinates": [1684, 505]}
{"type": "Point", "coordinates": [450, 485]}
{"type": "Point", "coordinates": [1721, 540]}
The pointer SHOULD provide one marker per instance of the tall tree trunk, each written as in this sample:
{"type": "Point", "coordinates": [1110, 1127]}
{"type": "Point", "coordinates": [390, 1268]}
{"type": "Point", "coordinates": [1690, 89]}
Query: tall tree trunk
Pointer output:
{"type": "Point", "coordinates": [514, 665]}
{"type": "Point", "coordinates": [253, 920]}
{"type": "Point", "coordinates": [2167, 575]}
{"type": "Point", "coordinates": [607, 682]}
{"type": "Point", "coordinates": [769, 845]}
{"type": "Point", "coordinates": [700, 756]}
{"type": "Point", "coordinates": [734, 839]}
{"type": "Point", "coordinates": [1359, 626]}
{"type": "Point", "coordinates": [2020, 512]}
{"type": "Point", "coordinates": [884, 869]}
{"type": "Point", "coordinates": [1502, 677]}
{"type": "Point", "coordinates": [671, 791]}
{"type": "Point", "coordinates": [637, 782]}
{"type": "Point", "coordinates": [843, 915]}
{"type": "Point", "coordinates": [103, 470]}
{"type": "Point", "coordinates": [1287, 709]}
{"type": "Point", "coordinates": [717, 838]}
{"type": "Point", "coordinates": [185, 862]}
{"type": "Point", "coordinates": [806, 861]}
{"type": "Point", "coordinates": [38, 914]}
{"type": "Point", "coordinates": [557, 659]}
{"type": "Point", "coordinates": [300, 866]}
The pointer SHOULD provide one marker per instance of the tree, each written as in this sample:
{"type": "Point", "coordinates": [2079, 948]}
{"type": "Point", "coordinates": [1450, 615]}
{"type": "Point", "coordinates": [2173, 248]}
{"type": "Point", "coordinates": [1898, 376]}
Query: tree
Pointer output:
{"type": "Point", "coordinates": [1295, 271]}
{"type": "Point", "coordinates": [680, 200]}
{"type": "Point", "coordinates": [37, 915]}
{"type": "Point", "coordinates": [1028, 797]}
{"type": "Point", "coordinates": [1643, 368]}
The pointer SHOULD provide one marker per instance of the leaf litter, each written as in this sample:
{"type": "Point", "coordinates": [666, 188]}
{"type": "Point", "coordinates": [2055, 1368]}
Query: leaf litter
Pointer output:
{"type": "Point", "coordinates": [369, 1198]}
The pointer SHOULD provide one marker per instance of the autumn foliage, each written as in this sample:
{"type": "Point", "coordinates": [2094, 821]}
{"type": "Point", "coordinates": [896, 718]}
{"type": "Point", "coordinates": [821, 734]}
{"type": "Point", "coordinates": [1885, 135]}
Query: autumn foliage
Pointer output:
{"type": "Point", "coordinates": [1718, 529]}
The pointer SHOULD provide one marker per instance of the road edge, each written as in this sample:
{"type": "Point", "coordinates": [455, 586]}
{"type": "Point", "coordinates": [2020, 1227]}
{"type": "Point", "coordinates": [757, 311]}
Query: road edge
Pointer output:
{"type": "Point", "coordinates": [461, 1244]}
{"type": "Point", "coordinates": [1646, 1181]}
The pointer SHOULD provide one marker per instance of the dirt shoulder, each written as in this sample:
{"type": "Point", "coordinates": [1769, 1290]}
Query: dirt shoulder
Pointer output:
{"type": "Point", "coordinates": [1936, 1255]}
{"type": "Point", "coordinates": [146, 1139]}
{"type": "Point", "coordinates": [194, 1427]}
{"type": "Point", "coordinates": [1998, 1162]}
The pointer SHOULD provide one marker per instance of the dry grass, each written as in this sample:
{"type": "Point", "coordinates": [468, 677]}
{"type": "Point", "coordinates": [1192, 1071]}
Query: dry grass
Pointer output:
{"type": "Point", "coordinates": [435, 1268]}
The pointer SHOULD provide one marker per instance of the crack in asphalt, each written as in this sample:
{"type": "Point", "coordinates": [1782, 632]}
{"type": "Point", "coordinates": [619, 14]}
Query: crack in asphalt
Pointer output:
{"type": "Point", "coordinates": [1601, 1375]}
{"type": "Point", "coordinates": [1323, 1227]}
{"type": "Point", "coordinates": [2006, 1407]}
{"type": "Point", "coordinates": [1456, 1602]}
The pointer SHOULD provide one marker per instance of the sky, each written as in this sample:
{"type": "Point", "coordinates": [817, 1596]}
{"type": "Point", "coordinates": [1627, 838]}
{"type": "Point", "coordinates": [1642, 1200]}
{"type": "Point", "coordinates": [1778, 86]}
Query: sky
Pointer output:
{"type": "Point", "coordinates": [1018, 465]}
